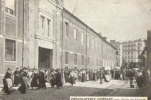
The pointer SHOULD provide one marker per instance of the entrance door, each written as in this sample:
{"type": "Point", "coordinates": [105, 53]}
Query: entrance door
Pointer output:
{"type": "Point", "coordinates": [45, 58]}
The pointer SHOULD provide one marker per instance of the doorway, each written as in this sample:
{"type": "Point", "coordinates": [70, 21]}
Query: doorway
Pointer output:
{"type": "Point", "coordinates": [45, 58]}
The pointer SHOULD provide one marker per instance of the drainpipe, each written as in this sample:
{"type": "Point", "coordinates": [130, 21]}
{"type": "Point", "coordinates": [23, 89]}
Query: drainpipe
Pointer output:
{"type": "Point", "coordinates": [23, 37]}
{"type": "Point", "coordinates": [86, 50]}
{"type": "Point", "coordinates": [62, 41]}
{"type": "Point", "coordinates": [63, 81]}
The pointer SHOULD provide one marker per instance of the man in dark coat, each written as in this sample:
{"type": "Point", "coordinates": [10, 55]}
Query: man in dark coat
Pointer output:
{"type": "Point", "coordinates": [101, 76]}
{"type": "Point", "coordinates": [35, 81]}
{"type": "Point", "coordinates": [24, 81]}
{"type": "Point", "coordinates": [16, 77]}
{"type": "Point", "coordinates": [52, 79]}
{"type": "Point", "coordinates": [58, 78]}
{"type": "Point", "coordinates": [42, 80]}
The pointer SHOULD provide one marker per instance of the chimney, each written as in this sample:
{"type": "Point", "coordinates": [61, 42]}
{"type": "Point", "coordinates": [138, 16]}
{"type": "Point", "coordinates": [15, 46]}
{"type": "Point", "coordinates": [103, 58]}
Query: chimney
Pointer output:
{"type": "Point", "coordinates": [100, 34]}
{"type": "Point", "coordinates": [112, 41]}
{"type": "Point", "coordinates": [104, 38]}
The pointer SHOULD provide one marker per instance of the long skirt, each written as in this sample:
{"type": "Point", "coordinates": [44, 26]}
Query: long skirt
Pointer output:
{"type": "Point", "coordinates": [139, 81]}
{"type": "Point", "coordinates": [83, 78]}
{"type": "Point", "coordinates": [34, 83]}
{"type": "Point", "coordinates": [7, 85]}
{"type": "Point", "coordinates": [16, 80]}
{"type": "Point", "coordinates": [59, 82]}
{"type": "Point", "coordinates": [72, 80]}
{"type": "Point", "coordinates": [52, 82]}
{"type": "Point", "coordinates": [24, 85]}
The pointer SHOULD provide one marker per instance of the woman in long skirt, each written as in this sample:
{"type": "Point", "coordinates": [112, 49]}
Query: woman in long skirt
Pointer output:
{"type": "Point", "coordinates": [72, 78]}
{"type": "Point", "coordinates": [7, 81]}
{"type": "Point", "coordinates": [24, 81]}
{"type": "Point", "coordinates": [58, 79]}
{"type": "Point", "coordinates": [34, 80]}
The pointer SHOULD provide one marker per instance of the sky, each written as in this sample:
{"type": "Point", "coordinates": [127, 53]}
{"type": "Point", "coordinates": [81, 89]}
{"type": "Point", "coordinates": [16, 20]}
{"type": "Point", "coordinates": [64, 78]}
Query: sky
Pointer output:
{"type": "Point", "coordinates": [120, 20]}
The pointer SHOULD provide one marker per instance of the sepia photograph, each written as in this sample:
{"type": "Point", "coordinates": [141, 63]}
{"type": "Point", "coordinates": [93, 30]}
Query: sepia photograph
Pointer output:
{"type": "Point", "coordinates": [75, 49]}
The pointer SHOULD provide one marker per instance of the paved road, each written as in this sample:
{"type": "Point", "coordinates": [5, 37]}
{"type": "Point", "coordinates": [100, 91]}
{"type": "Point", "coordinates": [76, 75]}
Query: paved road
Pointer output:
{"type": "Point", "coordinates": [126, 91]}
{"type": "Point", "coordinates": [113, 88]}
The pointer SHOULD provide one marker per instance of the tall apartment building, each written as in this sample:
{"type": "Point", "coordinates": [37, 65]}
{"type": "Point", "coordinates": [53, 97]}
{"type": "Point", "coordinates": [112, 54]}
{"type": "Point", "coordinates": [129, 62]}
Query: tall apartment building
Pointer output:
{"type": "Point", "coordinates": [118, 47]}
{"type": "Point", "coordinates": [43, 34]}
{"type": "Point", "coordinates": [132, 49]}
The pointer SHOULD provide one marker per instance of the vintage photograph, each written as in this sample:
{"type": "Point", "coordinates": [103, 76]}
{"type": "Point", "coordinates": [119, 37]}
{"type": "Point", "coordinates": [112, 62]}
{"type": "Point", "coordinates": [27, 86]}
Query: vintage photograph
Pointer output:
{"type": "Point", "coordinates": [70, 49]}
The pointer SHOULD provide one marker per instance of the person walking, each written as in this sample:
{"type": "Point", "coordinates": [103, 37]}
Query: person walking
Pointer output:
{"type": "Point", "coordinates": [139, 79]}
{"type": "Point", "coordinates": [7, 82]}
{"type": "Point", "coordinates": [58, 78]}
{"type": "Point", "coordinates": [72, 77]}
{"type": "Point", "coordinates": [42, 79]}
{"type": "Point", "coordinates": [16, 77]}
{"type": "Point", "coordinates": [34, 79]}
{"type": "Point", "coordinates": [24, 81]}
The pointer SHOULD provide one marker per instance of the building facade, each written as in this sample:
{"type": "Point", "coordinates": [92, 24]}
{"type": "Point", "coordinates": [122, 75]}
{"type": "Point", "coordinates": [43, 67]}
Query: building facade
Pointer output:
{"type": "Point", "coordinates": [119, 51]}
{"type": "Point", "coordinates": [43, 34]}
{"type": "Point", "coordinates": [131, 50]}
{"type": "Point", "coordinates": [83, 47]}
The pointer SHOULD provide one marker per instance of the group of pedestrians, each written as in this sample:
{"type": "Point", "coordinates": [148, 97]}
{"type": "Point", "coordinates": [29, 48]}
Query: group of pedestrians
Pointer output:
{"type": "Point", "coordinates": [83, 75]}
{"type": "Point", "coordinates": [118, 74]}
{"type": "Point", "coordinates": [26, 78]}
{"type": "Point", "coordinates": [136, 78]}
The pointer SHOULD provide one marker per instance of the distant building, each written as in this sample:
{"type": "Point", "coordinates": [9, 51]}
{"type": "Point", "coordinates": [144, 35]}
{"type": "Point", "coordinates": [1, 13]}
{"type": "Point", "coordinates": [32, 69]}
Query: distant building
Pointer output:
{"type": "Point", "coordinates": [131, 50]}
{"type": "Point", "coordinates": [118, 47]}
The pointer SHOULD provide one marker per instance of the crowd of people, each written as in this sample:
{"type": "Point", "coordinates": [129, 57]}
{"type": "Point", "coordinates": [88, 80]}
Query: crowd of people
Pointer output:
{"type": "Point", "coordinates": [26, 78]}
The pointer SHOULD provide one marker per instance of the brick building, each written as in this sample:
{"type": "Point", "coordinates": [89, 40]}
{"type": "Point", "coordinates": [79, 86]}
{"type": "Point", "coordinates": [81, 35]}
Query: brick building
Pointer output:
{"type": "Point", "coordinates": [43, 34]}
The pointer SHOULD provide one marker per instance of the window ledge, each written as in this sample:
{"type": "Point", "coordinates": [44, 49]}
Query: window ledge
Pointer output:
{"type": "Point", "coordinates": [10, 62]}
{"type": "Point", "coordinates": [11, 16]}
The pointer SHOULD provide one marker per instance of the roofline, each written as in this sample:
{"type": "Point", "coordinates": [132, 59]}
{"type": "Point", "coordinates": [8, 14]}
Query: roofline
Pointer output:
{"type": "Point", "coordinates": [64, 9]}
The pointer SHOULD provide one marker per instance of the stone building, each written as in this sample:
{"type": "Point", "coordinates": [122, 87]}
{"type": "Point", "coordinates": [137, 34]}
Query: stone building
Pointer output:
{"type": "Point", "coordinates": [83, 47]}
{"type": "Point", "coordinates": [43, 34]}
{"type": "Point", "coordinates": [118, 47]}
{"type": "Point", "coordinates": [131, 50]}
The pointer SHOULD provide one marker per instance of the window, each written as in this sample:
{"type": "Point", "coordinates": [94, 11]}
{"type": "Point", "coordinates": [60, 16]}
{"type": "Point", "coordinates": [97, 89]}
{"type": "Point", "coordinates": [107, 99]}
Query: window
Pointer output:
{"type": "Point", "coordinates": [10, 7]}
{"type": "Point", "coordinates": [49, 27]}
{"type": "Point", "coordinates": [75, 59]}
{"type": "Point", "coordinates": [10, 50]}
{"type": "Point", "coordinates": [92, 42]}
{"type": "Point", "coordinates": [75, 34]}
{"type": "Point", "coordinates": [82, 59]}
{"type": "Point", "coordinates": [97, 62]}
{"type": "Point", "coordinates": [42, 24]}
{"type": "Point", "coordinates": [88, 41]}
{"type": "Point", "coordinates": [82, 38]}
{"type": "Point", "coordinates": [88, 60]}
{"type": "Point", "coordinates": [66, 29]}
{"type": "Point", "coordinates": [66, 57]}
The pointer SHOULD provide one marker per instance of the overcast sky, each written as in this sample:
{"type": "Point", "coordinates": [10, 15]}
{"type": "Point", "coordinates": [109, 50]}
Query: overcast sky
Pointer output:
{"type": "Point", "coordinates": [116, 19]}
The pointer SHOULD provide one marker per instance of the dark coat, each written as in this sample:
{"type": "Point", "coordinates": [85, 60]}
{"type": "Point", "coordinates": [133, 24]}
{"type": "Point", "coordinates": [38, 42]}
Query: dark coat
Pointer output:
{"type": "Point", "coordinates": [34, 81]}
{"type": "Point", "coordinates": [58, 79]}
{"type": "Point", "coordinates": [42, 80]}
{"type": "Point", "coordinates": [16, 78]}
{"type": "Point", "coordinates": [24, 83]}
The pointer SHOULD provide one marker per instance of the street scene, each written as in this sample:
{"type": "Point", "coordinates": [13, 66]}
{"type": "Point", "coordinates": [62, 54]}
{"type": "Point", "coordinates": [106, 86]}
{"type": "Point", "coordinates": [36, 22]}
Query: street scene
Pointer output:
{"type": "Point", "coordinates": [55, 49]}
